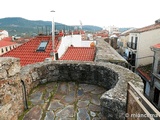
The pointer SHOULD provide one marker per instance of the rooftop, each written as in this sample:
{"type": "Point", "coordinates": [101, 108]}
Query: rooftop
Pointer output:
{"type": "Point", "coordinates": [79, 53]}
{"type": "Point", "coordinates": [145, 71]}
{"type": "Point", "coordinates": [6, 42]}
{"type": "Point", "coordinates": [157, 45]}
{"type": "Point", "coordinates": [28, 53]}
{"type": "Point", "coordinates": [147, 28]}
{"type": "Point", "coordinates": [40, 47]}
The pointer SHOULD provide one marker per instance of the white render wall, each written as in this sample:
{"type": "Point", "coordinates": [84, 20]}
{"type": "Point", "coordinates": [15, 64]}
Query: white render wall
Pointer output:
{"type": "Point", "coordinates": [8, 48]}
{"type": "Point", "coordinates": [124, 39]}
{"type": "Point", "coordinates": [3, 34]}
{"type": "Point", "coordinates": [145, 41]}
{"type": "Point", "coordinates": [87, 43]}
{"type": "Point", "coordinates": [67, 41]}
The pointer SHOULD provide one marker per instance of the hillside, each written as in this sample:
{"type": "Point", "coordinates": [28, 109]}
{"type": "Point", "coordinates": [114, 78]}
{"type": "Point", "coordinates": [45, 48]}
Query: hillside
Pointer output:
{"type": "Point", "coordinates": [123, 29]}
{"type": "Point", "coordinates": [23, 27]}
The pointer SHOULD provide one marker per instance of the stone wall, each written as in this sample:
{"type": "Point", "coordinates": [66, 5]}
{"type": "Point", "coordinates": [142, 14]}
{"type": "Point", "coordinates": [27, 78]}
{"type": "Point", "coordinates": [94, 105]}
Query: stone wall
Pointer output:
{"type": "Point", "coordinates": [110, 76]}
{"type": "Point", "coordinates": [105, 53]}
{"type": "Point", "coordinates": [11, 100]}
{"type": "Point", "coordinates": [113, 77]}
{"type": "Point", "coordinates": [81, 72]}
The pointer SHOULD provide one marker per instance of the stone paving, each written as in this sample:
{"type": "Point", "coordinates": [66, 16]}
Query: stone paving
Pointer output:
{"type": "Point", "coordinates": [64, 101]}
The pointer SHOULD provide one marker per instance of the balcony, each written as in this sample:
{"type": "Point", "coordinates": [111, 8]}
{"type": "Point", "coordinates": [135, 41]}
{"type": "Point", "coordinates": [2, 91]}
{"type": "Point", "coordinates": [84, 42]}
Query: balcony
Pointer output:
{"type": "Point", "coordinates": [132, 45]}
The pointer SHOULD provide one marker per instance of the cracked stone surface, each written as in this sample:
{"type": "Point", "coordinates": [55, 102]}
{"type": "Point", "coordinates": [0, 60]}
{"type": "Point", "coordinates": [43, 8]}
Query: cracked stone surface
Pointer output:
{"type": "Point", "coordinates": [49, 115]}
{"type": "Point", "coordinates": [65, 101]}
{"type": "Point", "coordinates": [55, 105]}
{"type": "Point", "coordinates": [34, 114]}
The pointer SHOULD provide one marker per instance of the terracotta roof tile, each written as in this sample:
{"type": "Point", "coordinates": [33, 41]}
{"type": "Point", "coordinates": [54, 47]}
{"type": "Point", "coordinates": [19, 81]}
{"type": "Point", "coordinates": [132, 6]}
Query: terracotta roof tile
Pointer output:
{"type": "Point", "coordinates": [157, 46]}
{"type": "Point", "coordinates": [148, 28]}
{"type": "Point", "coordinates": [145, 71]}
{"type": "Point", "coordinates": [79, 53]}
{"type": "Point", "coordinates": [27, 52]}
{"type": "Point", "coordinates": [6, 42]}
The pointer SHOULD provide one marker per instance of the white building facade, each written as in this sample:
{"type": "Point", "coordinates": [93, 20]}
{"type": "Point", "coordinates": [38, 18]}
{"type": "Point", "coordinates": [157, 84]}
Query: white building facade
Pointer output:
{"type": "Point", "coordinates": [3, 34]}
{"type": "Point", "coordinates": [5, 49]}
{"type": "Point", "coordinates": [112, 29]}
{"type": "Point", "coordinates": [139, 53]}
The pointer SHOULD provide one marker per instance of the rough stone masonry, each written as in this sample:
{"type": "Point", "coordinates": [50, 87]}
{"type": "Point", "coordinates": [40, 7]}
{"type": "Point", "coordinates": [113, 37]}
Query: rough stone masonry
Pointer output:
{"type": "Point", "coordinates": [113, 77]}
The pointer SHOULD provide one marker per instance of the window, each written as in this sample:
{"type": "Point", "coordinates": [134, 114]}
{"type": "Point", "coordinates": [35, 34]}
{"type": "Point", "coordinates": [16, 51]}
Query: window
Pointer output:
{"type": "Point", "coordinates": [131, 41]}
{"type": "Point", "coordinates": [56, 56]}
{"type": "Point", "coordinates": [136, 38]}
{"type": "Point", "coordinates": [156, 96]}
{"type": "Point", "coordinates": [135, 44]}
{"type": "Point", "coordinates": [42, 46]}
{"type": "Point", "coordinates": [6, 49]}
{"type": "Point", "coordinates": [10, 48]}
{"type": "Point", "coordinates": [158, 68]}
{"type": "Point", "coordinates": [2, 50]}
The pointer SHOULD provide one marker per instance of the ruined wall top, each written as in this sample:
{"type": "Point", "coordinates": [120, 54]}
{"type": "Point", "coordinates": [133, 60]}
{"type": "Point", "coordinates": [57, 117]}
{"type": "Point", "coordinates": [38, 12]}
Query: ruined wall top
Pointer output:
{"type": "Point", "coordinates": [9, 67]}
{"type": "Point", "coordinates": [105, 53]}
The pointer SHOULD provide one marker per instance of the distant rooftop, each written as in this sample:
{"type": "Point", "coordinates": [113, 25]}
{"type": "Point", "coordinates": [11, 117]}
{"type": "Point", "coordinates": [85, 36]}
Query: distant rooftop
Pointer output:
{"type": "Point", "coordinates": [6, 42]}
{"type": "Point", "coordinates": [147, 28]}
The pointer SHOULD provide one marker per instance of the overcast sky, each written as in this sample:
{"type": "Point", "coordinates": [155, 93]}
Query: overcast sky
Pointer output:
{"type": "Point", "coordinates": [120, 13]}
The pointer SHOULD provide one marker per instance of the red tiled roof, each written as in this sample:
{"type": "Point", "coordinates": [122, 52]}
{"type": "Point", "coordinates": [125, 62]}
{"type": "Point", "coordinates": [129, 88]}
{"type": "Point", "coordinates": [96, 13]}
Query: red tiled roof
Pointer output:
{"type": "Point", "coordinates": [148, 28]}
{"type": "Point", "coordinates": [78, 32]}
{"type": "Point", "coordinates": [7, 39]}
{"type": "Point", "coordinates": [79, 53]}
{"type": "Point", "coordinates": [6, 42]}
{"type": "Point", "coordinates": [145, 71]}
{"type": "Point", "coordinates": [157, 46]}
{"type": "Point", "coordinates": [27, 52]}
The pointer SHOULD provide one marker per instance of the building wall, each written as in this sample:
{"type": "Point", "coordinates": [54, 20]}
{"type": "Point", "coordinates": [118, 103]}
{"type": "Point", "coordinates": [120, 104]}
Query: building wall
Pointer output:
{"type": "Point", "coordinates": [145, 41]}
{"type": "Point", "coordinates": [7, 48]}
{"type": "Point", "coordinates": [112, 29]}
{"type": "Point", "coordinates": [123, 40]}
{"type": "Point", "coordinates": [87, 43]}
{"type": "Point", "coordinates": [3, 34]}
{"type": "Point", "coordinates": [67, 41]}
